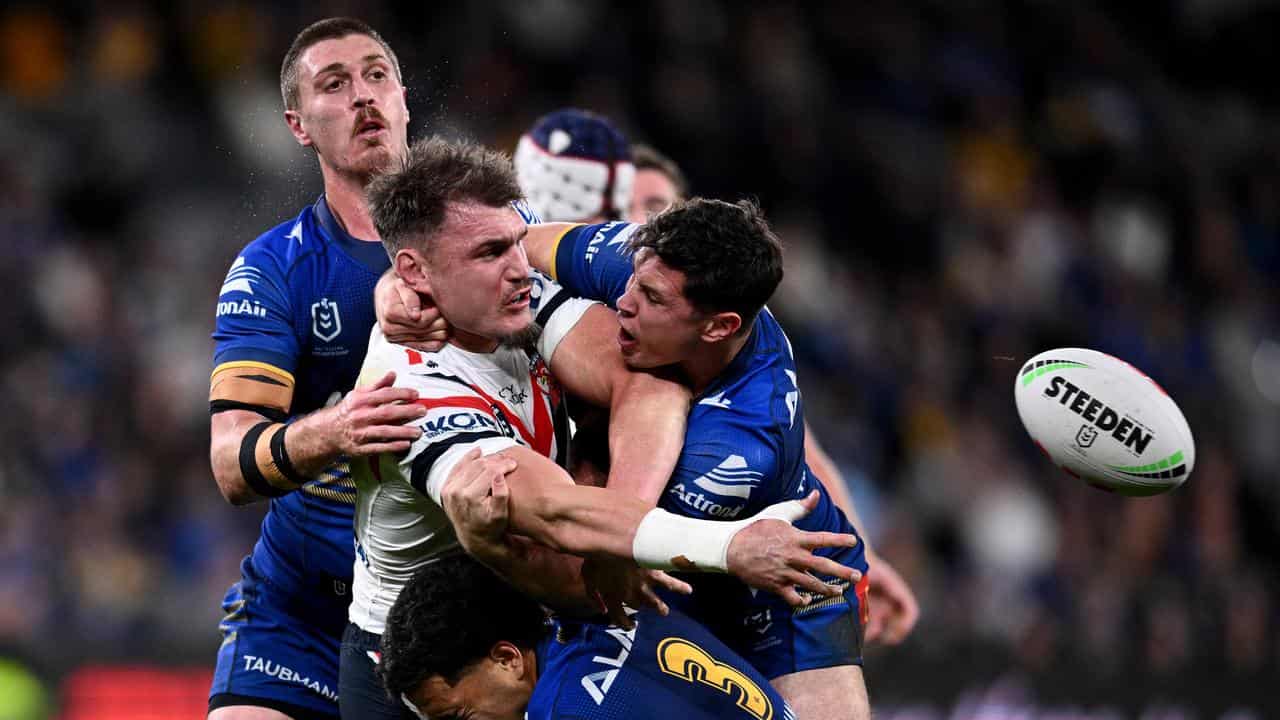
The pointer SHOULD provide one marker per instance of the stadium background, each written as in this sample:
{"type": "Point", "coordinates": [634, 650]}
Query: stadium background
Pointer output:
{"type": "Point", "coordinates": [959, 185]}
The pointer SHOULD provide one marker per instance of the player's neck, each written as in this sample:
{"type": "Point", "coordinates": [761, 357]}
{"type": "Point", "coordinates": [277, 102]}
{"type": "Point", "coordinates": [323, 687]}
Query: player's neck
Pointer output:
{"type": "Point", "coordinates": [705, 365]}
{"type": "Point", "coordinates": [472, 342]}
{"type": "Point", "coordinates": [345, 195]}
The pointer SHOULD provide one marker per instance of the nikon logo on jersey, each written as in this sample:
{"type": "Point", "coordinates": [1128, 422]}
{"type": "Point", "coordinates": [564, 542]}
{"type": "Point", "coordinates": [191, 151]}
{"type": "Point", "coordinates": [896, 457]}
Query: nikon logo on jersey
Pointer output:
{"type": "Point", "coordinates": [1080, 402]}
{"type": "Point", "coordinates": [466, 421]}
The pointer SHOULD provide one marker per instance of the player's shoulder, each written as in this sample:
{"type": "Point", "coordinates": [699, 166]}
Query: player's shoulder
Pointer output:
{"type": "Point", "coordinates": [281, 247]}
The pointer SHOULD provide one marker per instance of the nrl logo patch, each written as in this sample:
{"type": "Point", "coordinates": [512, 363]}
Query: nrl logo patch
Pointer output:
{"type": "Point", "coordinates": [1086, 436]}
{"type": "Point", "coordinates": [326, 323]}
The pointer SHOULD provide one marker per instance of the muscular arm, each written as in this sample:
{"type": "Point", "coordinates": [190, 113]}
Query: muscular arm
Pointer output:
{"type": "Point", "coordinates": [540, 245]}
{"type": "Point", "coordinates": [519, 491]}
{"type": "Point", "coordinates": [367, 421]}
{"type": "Point", "coordinates": [647, 411]}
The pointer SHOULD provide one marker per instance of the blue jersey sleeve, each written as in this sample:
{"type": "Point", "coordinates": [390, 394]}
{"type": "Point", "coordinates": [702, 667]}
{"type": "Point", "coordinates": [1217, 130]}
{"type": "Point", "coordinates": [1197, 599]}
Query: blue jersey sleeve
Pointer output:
{"type": "Point", "coordinates": [722, 475]}
{"type": "Point", "coordinates": [254, 315]}
{"type": "Point", "coordinates": [594, 261]}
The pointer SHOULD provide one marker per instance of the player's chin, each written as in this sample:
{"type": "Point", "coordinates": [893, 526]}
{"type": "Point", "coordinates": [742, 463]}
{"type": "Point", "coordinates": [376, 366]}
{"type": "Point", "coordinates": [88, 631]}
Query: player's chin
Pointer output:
{"type": "Point", "coordinates": [521, 332]}
{"type": "Point", "coordinates": [372, 158]}
{"type": "Point", "coordinates": [638, 359]}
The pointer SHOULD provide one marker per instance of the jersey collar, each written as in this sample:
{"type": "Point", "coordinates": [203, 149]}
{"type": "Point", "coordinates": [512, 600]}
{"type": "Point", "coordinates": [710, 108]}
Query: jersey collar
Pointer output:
{"type": "Point", "coordinates": [367, 253]}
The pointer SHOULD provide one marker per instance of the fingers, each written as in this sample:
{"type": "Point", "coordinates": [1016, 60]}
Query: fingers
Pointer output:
{"type": "Point", "coordinates": [813, 585]}
{"type": "Point", "coordinates": [671, 583]}
{"type": "Point", "coordinates": [875, 626]}
{"type": "Point", "coordinates": [409, 299]}
{"type": "Point", "coordinates": [385, 381]}
{"type": "Point", "coordinates": [825, 566]}
{"type": "Point", "coordinates": [380, 394]}
{"type": "Point", "coordinates": [810, 501]}
{"type": "Point", "coordinates": [821, 539]}
{"type": "Point", "coordinates": [651, 599]}
{"type": "Point", "coordinates": [392, 448]}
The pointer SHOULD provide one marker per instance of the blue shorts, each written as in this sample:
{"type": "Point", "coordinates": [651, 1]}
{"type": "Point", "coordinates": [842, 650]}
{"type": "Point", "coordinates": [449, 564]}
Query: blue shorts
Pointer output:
{"type": "Point", "coordinates": [774, 637]}
{"type": "Point", "coordinates": [278, 652]}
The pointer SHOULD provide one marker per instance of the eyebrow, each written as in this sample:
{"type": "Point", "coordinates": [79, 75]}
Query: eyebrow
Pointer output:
{"type": "Point", "coordinates": [367, 59]}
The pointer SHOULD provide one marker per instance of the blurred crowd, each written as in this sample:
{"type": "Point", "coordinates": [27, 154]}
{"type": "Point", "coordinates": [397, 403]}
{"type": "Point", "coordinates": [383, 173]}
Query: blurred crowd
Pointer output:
{"type": "Point", "coordinates": [959, 185]}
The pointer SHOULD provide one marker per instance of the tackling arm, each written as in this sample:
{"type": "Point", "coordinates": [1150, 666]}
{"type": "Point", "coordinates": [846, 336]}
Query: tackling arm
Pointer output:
{"type": "Point", "coordinates": [647, 411]}
{"type": "Point", "coordinates": [255, 457]}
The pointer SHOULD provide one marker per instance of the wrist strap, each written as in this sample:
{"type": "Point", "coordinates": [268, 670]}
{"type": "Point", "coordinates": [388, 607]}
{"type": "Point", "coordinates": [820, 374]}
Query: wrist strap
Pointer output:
{"type": "Point", "coordinates": [253, 474]}
{"type": "Point", "coordinates": [280, 455]}
{"type": "Point", "coordinates": [265, 463]}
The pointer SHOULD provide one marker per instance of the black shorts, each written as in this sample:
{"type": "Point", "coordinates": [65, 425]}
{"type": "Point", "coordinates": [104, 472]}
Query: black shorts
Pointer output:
{"type": "Point", "coordinates": [361, 695]}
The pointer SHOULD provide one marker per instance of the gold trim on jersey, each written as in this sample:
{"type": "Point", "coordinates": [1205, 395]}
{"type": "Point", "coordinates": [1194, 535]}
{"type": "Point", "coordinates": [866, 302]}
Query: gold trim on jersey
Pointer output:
{"type": "Point", "coordinates": [826, 602]}
{"type": "Point", "coordinates": [252, 383]}
{"type": "Point", "coordinates": [555, 249]}
{"type": "Point", "coordinates": [324, 490]}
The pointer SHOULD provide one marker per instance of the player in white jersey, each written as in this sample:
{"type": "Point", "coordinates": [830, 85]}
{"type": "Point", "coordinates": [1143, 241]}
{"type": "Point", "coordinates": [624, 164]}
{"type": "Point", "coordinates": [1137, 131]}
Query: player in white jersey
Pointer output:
{"type": "Point", "coordinates": [445, 218]}
{"type": "Point", "coordinates": [493, 401]}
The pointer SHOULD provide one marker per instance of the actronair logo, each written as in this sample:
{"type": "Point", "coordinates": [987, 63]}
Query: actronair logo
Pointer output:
{"type": "Point", "coordinates": [731, 478]}
{"type": "Point", "coordinates": [240, 278]}
{"type": "Point", "coordinates": [241, 307]}
{"type": "Point", "coordinates": [1125, 431]}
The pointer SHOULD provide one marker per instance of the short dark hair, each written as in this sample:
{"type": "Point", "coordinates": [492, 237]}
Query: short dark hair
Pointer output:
{"type": "Point", "coordinates": [447, 617]}
{"type": "Point", "coordinates": [413, 198]}
{"type": "Point", "coordinates": [647, 157]}
{"type": "Point", "coordinates": [731, 260]}
{"type": "Point", "coordinates": [319, 31]}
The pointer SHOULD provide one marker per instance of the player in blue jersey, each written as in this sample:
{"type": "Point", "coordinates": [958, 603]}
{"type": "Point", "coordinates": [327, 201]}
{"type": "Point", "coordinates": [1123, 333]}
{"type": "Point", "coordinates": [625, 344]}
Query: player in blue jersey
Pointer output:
{"type": "Point", "coordinates": [293, 321]}
{"type": "Point", "coordinates": [659, 184]}
{"type": "Point", "coordinates": [460, 643]}
{"type": "Point", "coordinates": [690, 289]}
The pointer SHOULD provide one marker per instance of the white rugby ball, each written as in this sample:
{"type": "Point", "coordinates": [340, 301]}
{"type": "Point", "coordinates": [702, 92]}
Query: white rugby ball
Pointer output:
{"type": "Point", "coordinates": [1103, 421]}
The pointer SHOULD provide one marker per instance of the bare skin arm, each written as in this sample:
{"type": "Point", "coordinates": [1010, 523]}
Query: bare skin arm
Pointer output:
{"type": "Point", "coordinates": [647, 411]}
{"type": "Point", "coordinates": [540, 244]}
{"type": "Point", "coordinates": [367, 421]}
{"type": "Point", "coordinates": [545, 505]}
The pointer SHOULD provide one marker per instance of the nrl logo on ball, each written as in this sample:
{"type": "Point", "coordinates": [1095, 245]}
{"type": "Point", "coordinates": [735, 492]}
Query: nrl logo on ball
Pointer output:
{"type": "Point", "coordinates": [1086, 436]}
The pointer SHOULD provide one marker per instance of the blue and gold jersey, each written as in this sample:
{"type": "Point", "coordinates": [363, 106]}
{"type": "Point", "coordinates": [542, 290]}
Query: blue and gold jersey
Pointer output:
{"type": "Point", "coordinates": [297, 307]}
{"type": "Point", "coordinates": [743, 451]}
{"type": "Point", "coordinates": [663, 668]}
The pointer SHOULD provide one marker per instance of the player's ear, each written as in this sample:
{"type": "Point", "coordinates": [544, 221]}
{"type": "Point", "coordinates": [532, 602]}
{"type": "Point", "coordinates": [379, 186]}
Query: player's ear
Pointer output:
{"type": "Point", "coordinates": [411, 266]}
{"type": "Point", "coordinates": [508, 657]}
{"type": "Point", "coordinates": [720, 326]}
{"type": "Point", "coordinates": [294, 120]}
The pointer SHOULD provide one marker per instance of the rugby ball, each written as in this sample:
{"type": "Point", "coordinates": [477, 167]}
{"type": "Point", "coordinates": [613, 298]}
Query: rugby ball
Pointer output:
{"type": "Point", "coordinates": [1103, 421]}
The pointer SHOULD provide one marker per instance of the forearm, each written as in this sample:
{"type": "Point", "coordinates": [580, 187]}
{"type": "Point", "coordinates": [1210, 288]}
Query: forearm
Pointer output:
{"type": "Point", "coordinates": [549, 508]}
{"type": "Point", "coordinates": [310, 443]}
{"type": "Point", "coordinates": [552, 578]}
{"type": "Point", "coordinates": [647, 422]}
{"type": "Point", "coordinates": [540, 245]}
{"type": "Point", "coordinates": [242, 439]}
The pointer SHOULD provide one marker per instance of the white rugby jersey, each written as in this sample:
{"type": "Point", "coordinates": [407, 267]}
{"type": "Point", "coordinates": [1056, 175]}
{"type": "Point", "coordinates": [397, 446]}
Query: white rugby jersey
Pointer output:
{"type": "Point", "coordinates": [486, 400]}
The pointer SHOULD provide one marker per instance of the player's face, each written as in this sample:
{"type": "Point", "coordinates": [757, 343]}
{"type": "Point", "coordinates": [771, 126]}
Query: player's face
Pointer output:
{"type": "Point", "coordinates": [659, 326]}
{"type": "Point", "coordinates": [483, 692]}
{"type": "Point", "coordinates": [652, 193]}
{"type": "Point", "coordinates": [480, 274]}
{"type": "Point", "coordinates": [351, 105]}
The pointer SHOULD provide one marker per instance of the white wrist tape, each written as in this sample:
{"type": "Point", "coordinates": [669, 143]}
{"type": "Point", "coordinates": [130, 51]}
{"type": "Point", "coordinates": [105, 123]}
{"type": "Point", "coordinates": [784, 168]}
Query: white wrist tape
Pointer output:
{"type": "Point", "coordinates": [671, 542]}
